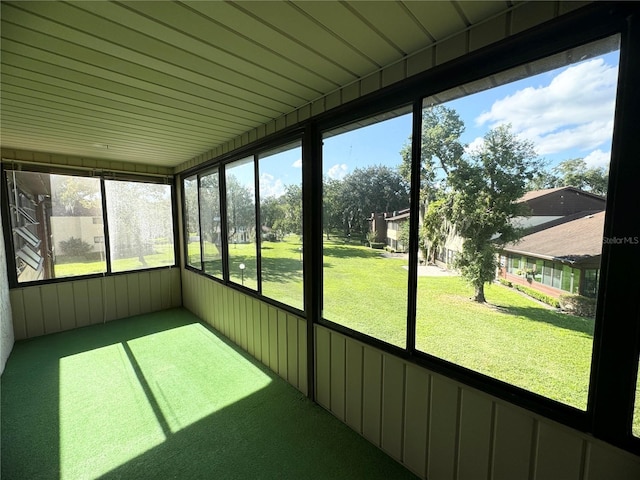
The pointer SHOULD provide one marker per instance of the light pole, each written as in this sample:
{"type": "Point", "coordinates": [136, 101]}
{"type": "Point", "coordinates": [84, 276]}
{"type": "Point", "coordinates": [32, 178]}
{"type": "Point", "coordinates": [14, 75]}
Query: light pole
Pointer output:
{"type": "Point", "coordinates": [242, 267]}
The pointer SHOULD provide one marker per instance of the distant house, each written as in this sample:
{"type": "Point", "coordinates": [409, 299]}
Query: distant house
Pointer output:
{"type": "Point", "coordinates": [562, 258]}
{"type": "Point", "coordinates": [386, 228]}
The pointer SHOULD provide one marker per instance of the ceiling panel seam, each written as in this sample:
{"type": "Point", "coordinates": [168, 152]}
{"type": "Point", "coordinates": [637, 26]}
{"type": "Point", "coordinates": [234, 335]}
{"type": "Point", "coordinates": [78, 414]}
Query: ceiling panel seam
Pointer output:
{"type": "Point", "coordinates": [340, 38]}
{"type": "Point", "coordinates": [373, 28]}
{"type": "Point", "coordinates": [249, 39]}
{"type": "Point", "coordinates": [295, 40]}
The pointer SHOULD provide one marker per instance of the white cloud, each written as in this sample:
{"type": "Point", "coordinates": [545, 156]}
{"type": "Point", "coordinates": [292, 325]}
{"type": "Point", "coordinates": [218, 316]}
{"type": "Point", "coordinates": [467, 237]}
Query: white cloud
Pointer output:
{"type": "Point", "coordinates": [574, 111]}
{"type": "Point", "coordinates": [598, 158]}
{"type": "Point", "coordinates": [338, 171]}
{"type": "Point", "coordinates": [474, 146]}
{"type": "Point", "coordinates": [270, 186]}
{"type": "Point", "coordinates": [297, 163]}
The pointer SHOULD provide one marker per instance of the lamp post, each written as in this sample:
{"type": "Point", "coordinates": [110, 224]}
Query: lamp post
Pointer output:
{"type": "Point", "coordinates": [242, 267]}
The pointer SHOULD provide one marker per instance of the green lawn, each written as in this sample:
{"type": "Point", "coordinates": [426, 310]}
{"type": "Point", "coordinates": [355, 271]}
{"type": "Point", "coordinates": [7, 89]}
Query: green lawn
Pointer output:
{"type": "Point", "coordinates": [513, 338]}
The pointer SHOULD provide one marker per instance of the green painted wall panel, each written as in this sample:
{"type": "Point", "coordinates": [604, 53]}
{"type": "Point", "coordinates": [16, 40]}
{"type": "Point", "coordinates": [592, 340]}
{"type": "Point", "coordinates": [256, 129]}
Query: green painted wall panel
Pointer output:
{"type": "Point", "coordinates": [81, 303]}
{"type": "Point", "coordinates": [512, 443]}
{"type": "Point", "coordinates": [475, 435]}
{"type": "Point", "coordinates": [282, 344]}
{"type": "Point", "coordinates": [443, 420]}
{"type": "Point", "coordinates": [392, 405]}
{"type": "Point", "coordinates": [66, 306]}
{"type": "Point", "coordinates": [371, 393]}
{"type": "Point", "coordinates": [416, 420]}
{"type": "Point", "coordinates": [33, 312]}
{"type": "Point", "coordinates": [51, 312]}
{"type": "Point", "coordinates": [353, 390]}
{"type": "Point", "coordinates": [338, 375]}
{"type": "Point", "coordinates": [323, 367]}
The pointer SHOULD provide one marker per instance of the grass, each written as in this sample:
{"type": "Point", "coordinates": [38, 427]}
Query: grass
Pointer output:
{"type": "Point", "coordinates": [512, 338]}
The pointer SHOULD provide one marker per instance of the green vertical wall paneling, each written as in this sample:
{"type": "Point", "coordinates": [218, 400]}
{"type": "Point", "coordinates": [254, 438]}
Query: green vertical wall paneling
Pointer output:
{"type": "Point", "coordinates": [33, 311]}
{"type": "Point", "coordinates": [605, 464]}
{"type": "Point", "coordinates": [109, 296]}
{"type": "Point", "coordinates": [237, 321]}
{"type": "Point", "coordinates": [559, 453]}
{"type": "Point", "coordinates": [416, 420]}
{"type": "Point", "coordinates": [353, 391]}
{"type": "Point", "coordinates": [393, 380]}
{"type": "Point", "coordinates": [371, 395]}
{"type": "Point", "coordinates": [156, 292]}
{"type": "Point", "coordinates": [337, 375]}
{"type": "Point", "coordinates": [66, 305]}
{"type": "Point", "coordinates": [323, 367]}
{"type": "Point", "coordinates": [512, 443]}
{"type": "Point", "coordinates": [302, 357]}
{"type": "Point", "coordinates": [248, 310]}
{"type": "Point", "coordinates": [292, 351]}
{"type": "Point", "coordinates": [81, 303]}
{"type": "Point", "coordinates": [144, 290]}
{"type": "Point", "coordinates": [273, 339]}
{"type": "Point", "coordinates": [443, 421]}
{"type": "Point", "coordinates": [133, 289]}
{"type": "Point", "coordinates": [122, 296]}
{"type": "Point", "coordinates": [264, 332]}
{"type": "Point", "coordinates": [257, 326]}
{"type": "Point", "coordinates": [96, 301]}
{"type": "Point", "coordinates": [18, 314]}
{"type": "Point", "coordinates": [51, 313]}
{"type": "Point", "coordinates": [176, 287]}
{"type": "Point", "coordinates": [282, 344]}
{"type": "Point", "coordinates": [165, 284]}
{"type": "Point", "coordinates": [242, 310]}
{"type": "Point", "coordinates": [474, 446]}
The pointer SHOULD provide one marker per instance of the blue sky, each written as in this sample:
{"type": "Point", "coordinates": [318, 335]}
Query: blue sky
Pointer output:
{"type": "Point", "coordinates": [567, 113]}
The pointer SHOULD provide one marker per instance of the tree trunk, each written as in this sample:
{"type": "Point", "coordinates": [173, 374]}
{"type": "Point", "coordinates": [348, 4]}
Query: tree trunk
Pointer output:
{"type": "Point", "coordinates": [479, 295]}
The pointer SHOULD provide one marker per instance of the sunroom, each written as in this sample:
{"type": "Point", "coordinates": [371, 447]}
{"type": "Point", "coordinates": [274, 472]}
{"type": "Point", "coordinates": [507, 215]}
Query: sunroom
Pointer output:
{"type": "Point", "coordinates": [186, 195]}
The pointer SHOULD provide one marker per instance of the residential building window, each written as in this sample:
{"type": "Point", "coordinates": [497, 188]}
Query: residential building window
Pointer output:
{"type": "Point", "coordinates": [140, 221]}
{"type": "Point", "coordinates": [487, 137]}
{"type": "Point", "coordinates": [366, 173]}
{"type": "Point", "coordinates": [53, 219]}
{"type": "Point", "coordinates": [281, 251]}
{"type": "Point", "coordinates": [241, 223]}
{"type": "Point", "coordinates": [192, 222]}
{"type": "Point", "coordinates": [210, 241]}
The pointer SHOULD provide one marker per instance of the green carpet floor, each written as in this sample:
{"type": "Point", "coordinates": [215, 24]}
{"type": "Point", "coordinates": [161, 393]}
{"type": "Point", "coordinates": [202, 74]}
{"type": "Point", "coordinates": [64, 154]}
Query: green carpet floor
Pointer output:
{"type": "Point", "coordinates": [163, 396]}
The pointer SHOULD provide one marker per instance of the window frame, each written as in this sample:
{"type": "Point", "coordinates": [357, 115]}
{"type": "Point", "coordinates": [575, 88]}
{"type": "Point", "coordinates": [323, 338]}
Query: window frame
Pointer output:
{"type": "Point", "coordinates": [616, 343]}
{"type": "Point", "coordinates": [102, 175]}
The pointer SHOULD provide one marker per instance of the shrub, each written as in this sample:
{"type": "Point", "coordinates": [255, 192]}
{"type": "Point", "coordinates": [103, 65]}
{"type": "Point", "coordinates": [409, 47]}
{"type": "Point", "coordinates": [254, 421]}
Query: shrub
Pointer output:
{"type": "Point", "coordinates": [377, 245]}
{"type": "Point", "coordinates": [75, 247]}
{"type": "Point", "coordinates": [506, 283]}
{"type": "Point", "coordinates": [543, 297]}
{"type": "Point", "coordinates": [578, 305]}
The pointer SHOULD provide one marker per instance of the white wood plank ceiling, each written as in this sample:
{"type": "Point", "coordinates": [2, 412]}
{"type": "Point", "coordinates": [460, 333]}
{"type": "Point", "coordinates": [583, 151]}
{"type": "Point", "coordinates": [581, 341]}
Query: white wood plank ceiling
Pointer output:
{"type": "Point", "coordinates": [162, 82]}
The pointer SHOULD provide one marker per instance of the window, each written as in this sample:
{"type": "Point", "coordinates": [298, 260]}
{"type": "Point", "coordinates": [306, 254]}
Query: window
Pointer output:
{"type": "Point", "coordinates": [281, 224]}
{"type": "Point", "coordinates": [192, 222]}
{"type": "Point", "coordinates": [140, 222]}
{"type": "Point", "coordinates": [481, 154]}
{"type": "Point", "coordinates": [366, 179]}
{"type": "Point", "coordinates": [241, 223]}
{"type": "Point", "coordinates": [211, 225]}
{"type": "Point", "coordinates": [53, 218]}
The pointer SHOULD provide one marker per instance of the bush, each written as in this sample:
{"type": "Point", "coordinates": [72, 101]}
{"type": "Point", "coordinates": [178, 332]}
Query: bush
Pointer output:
{"type": "Point", "coordinates": [75, 247]}
{"type": "Point", "coordinates": [578, 305]}
{"type": "Point", "coordinates": [506, 283]}
{"type": "Point", "coordinates": [377, 245]}
{"type": "Point", "coordinates": [543, 297]}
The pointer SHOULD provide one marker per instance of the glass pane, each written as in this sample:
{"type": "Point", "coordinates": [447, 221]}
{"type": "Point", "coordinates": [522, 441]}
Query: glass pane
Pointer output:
{"type": "Point", "coordinates": [488, 193]}
{"type": "Point", "coordinates": [57, 225]}
{"type": "Point", "coordinates": [192, 221]}
{"type": "Point", "coordinates": [281, 224]}
{"type": "Point", "coordinates": [241, 223]}
{"type": "Point", "coordinates": [211, 225]}
{"type": "Point", "coordinates": [140, 225]}
{"type": "Point", "coordinates": [366, 224]}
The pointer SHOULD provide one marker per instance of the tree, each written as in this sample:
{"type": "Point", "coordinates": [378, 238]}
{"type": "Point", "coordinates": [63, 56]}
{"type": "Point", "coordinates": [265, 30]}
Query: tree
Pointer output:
{"type": "Point", "coordinates": [572, 173]}
{"type": "Point", "coordinates": [240, 209]}
{"type": "Point", "coordinates": [75, 196]}
{"type": "Point", "coordinates": [290, 220]}
{"type": "Point", "coordinates": [367, 190]}
{"type": "Point", "coordinates": [482, 201]}
{"type": "Point", "coordinates": [434, 229]}
{"type": "Point", "coordinates": [440, 148]}
{"type": "Point", "coordinates": [331, 208]}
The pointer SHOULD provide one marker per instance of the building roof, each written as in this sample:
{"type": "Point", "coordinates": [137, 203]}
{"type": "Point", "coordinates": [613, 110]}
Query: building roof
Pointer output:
{"type": "Point", "coordinates": [398, 215]}
{"type": "Point", "coordinates": [533, 194]}
{"type": "Point", "coordinates": [571, 242]}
